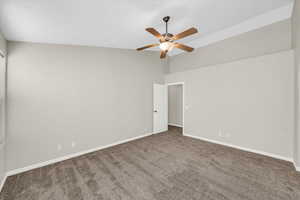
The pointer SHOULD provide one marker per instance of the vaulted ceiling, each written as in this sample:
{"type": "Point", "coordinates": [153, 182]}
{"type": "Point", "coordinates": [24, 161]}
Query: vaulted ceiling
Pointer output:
{"type": "Point", "coordinates": [122, 23]}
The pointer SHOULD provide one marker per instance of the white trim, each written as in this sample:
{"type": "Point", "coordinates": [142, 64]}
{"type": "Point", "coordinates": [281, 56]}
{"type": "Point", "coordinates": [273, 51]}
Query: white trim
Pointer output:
{"type": "Point", "coordinates": [296, 167]}
{"type": "Point", "coordinates": [160, 131]}
{"type": "Point", "coordinates": [254, 23]}
{"type": "Point", "coordinates": [175, 83]}
{"type": "Point", "coordinates": [42, 164]}
{"type": "Point", "coordinates": [183, 100]}
{"type": "Point", "coordinates": [2, 182]}
{"type": "Point", "coordinates": [177, 125]}
{"type": "Point", "coordinates": [242, 148]}
{"type": "Point", "coordinates": [49, 162]}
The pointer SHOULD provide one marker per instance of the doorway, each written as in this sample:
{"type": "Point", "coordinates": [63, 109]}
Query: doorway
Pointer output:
{"type": "Point", "coordinates": [176, 108]}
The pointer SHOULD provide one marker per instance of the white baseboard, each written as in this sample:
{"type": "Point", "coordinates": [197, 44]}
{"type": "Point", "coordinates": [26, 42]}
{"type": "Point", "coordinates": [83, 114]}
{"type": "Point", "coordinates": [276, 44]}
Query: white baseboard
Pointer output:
{"type": "Point", "coordinates": [2, 182]}
{"type": "Point", "coordinates": [296, 167]}
{"type": "Point", "coordinates": [177, 125]}
{"type": "Point", "coordinates": [42, 164]}
{"type": "Point", "coordinates": [160, 131]}
{"type": "Point", "coordinates": [243, 148]}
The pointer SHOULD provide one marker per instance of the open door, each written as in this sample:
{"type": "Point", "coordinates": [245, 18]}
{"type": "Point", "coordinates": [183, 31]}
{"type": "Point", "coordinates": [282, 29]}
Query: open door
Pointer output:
{"type": "Point", "coordinates": [160, 108]}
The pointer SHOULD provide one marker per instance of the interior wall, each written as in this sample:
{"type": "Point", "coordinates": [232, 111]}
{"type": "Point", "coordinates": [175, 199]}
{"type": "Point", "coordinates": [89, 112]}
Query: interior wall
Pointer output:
{"type": "Point", "coordinates": [296, 46]}
{"type": "Point", "coordinates": [67, 99]}
{"type": "Point", "coordinates": [2, 44]}
{"type": "Point", "coordinates": [175, 105]}
{"type": "Point", "coordinates": [2, 165]}
{"type": "Point", "coordinates": [2, 110]}
{"type": "Point", "coordinates": [247, 103]}
{"type": "Point", "coordinates": [267, 40]}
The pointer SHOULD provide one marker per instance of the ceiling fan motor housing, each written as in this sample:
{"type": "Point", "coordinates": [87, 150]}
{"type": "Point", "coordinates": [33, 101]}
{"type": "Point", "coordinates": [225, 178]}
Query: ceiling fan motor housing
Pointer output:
{"type": "Point", "coordinates": [167, 37]}
{"type": "Point", "coordinates": [166, 19]}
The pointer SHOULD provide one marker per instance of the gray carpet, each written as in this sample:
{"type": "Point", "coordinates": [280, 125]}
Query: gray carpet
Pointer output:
{"type": "Point", "coordinates": [166, 166]}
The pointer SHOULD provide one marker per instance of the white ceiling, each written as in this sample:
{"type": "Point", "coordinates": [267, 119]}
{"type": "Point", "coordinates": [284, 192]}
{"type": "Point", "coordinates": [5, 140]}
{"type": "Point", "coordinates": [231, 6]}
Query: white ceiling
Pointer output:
{"type": "Point", "coordinates": [122, 23]}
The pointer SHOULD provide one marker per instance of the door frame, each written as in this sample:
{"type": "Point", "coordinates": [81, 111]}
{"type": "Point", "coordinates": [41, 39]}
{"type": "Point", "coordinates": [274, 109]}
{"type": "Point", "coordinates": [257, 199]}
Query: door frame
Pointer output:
{"type": "Point", "coordinates": [183, 102]}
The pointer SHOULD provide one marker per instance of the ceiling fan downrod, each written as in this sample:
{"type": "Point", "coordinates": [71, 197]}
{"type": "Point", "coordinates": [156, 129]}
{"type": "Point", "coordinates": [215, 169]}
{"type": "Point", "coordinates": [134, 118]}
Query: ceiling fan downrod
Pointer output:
{"type": "Point", "coordinates": [166, 20]}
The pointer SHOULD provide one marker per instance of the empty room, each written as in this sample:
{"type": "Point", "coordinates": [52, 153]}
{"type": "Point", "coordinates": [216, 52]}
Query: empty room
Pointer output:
{"type": "Point", "coordinates": [150, 100]}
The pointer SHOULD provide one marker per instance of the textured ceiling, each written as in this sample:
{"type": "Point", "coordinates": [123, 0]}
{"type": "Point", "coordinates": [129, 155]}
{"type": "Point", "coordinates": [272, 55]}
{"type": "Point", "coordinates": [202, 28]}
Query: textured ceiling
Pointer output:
{"type": "Point", "coordinates": [121, 23]}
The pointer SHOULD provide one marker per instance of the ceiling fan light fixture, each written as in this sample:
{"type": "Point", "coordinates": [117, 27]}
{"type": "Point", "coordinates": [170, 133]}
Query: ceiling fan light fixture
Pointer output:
{"type": "Point", "coordinates": [165, 45]}
{"type": "Point", "coordinates": [167, 41]}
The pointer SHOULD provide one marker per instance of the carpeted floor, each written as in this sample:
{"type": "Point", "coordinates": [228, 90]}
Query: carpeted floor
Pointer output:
{"type": "Point", "coordinates": [166, 166]}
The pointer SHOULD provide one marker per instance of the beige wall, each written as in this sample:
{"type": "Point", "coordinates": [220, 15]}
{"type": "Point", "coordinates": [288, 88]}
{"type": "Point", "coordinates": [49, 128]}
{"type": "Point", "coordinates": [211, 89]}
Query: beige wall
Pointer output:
{"type": "Point", "coordinates": [2, 108]}
{"type": "Point", "coordinates": [296, 46]}
{"type": "Point", "coordinates": [248, 103]}
{"type": "Point", "coordinates": [175, 104]}
{"type": "Point", "coordinates": [62, 94]}
{"type": "Point", "coordinates": [2, 163]}
{"type": "Point", "coordinates": [2, 44]}
{"type": "Point", "coordinates": [270, 39]}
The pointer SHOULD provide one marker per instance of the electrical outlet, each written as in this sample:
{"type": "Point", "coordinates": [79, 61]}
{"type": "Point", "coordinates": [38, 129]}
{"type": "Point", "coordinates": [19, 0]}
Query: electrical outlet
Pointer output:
{"type": "Point", "coordinates": [224, 134]}
{"type": "Point", "coordinates": [59, 147]}
{"type": "Point", "coordinates": [220, 133]}
{"type": "Point", "coordinates": [73, 144]}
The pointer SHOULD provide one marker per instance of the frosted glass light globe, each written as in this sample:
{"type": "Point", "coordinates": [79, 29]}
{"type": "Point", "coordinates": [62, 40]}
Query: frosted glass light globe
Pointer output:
{"type": "Point", "coordinates": [165, 45]}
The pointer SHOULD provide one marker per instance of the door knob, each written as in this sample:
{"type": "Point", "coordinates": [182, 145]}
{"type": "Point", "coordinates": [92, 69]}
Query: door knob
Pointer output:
{"type": "Point", "coordinates": [155, 111]}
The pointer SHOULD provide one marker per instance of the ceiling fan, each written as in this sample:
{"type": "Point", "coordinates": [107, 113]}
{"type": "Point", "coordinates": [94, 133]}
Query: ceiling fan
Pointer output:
{"type": "Point", "coordinates": [167, 40]}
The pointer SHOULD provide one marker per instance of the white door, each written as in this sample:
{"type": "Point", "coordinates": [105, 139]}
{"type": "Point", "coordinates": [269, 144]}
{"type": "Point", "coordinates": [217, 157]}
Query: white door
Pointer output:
{"type": "Point", "coordinates": [160, 108]}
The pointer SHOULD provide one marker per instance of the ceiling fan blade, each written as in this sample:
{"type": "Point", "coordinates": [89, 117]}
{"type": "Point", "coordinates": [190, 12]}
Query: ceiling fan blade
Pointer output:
{"type": "Point", "coordinates": [146, 47]}
{"type": "Point", "coordinates": [186, 33]}
{"type": "Point", "coordinates": [171, 47]}
{"type": "Point", "coordinates": [163, 54]}
{"type": "Point", "coordinates": [154, 32]}
{"type": "Point", "coordinates": [184, 47]}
